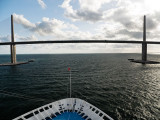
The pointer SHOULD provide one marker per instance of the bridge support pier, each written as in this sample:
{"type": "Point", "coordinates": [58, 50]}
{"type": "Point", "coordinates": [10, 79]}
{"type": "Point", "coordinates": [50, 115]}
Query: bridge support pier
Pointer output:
{"type": "Point", "coordinates": [144, 51]}
{"type": "Point", "coordinates": [144, 44]}
{"type": "Point", "coordinates": [12, 47]}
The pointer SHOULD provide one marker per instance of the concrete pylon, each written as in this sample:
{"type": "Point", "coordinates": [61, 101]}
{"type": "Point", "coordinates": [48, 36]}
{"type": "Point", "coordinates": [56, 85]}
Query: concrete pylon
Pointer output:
{"type": "Point", "coordinates": [144, 44]}
{"type": "Point", "coordinates": [12, 47]}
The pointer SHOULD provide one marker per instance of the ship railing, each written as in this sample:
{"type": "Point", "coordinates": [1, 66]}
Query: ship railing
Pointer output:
{"type": "Point", "coordinates": [53, 109]}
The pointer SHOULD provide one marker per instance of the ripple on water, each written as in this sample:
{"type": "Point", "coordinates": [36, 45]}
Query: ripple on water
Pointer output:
{"type": "Point", "coordinates": [122, 89]}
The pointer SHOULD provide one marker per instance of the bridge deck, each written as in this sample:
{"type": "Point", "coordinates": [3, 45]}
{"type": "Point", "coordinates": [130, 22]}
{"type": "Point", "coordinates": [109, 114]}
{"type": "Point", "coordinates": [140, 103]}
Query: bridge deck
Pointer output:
{"type": "Point", "coordinates": [78, 41]}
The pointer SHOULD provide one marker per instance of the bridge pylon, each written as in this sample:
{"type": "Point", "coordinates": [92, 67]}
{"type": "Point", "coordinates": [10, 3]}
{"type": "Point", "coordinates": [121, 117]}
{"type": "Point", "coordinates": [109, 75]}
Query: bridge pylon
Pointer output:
{"type": "Point", "coordinates": [12, 47]}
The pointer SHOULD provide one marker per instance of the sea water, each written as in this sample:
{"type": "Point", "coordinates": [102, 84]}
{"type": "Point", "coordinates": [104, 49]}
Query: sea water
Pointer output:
{"type": "Point", "coordinates": [121, 89]}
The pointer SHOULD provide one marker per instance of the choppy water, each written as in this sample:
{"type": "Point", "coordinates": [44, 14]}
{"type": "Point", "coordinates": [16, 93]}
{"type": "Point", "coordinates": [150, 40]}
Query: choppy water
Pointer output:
{"type": "Point", "coordinates": [122, 89]}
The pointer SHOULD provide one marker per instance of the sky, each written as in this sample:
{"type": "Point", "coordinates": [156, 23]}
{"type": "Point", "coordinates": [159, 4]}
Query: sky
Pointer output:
{"type": "Point", "coordinates": [77, 20]}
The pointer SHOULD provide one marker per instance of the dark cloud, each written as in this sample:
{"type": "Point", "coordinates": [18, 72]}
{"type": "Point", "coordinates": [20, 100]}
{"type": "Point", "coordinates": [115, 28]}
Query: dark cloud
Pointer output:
{"type": "Point", "coordinates": [45, 27]}
{"type": "Point", "coordinates": [151, 24]}
{"type": "Point", "coordinates": [90, 10]}
{"type": "Point", "coordinates": [85, 15]}
{"type": "Point", "coordinates": [131, 34]}
{"type": "Point", "coordinates": [89, 15]}
{"type": "Point", "coordinates": [122, 16]}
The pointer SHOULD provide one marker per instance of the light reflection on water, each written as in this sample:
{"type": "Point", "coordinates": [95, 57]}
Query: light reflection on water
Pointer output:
{"type": "Point", "coordinates": [122, 89]}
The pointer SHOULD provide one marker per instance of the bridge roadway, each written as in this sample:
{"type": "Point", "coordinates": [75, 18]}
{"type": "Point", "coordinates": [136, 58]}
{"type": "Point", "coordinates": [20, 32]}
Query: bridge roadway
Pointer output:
{"type": "Point", "coordinates": [79, 41]}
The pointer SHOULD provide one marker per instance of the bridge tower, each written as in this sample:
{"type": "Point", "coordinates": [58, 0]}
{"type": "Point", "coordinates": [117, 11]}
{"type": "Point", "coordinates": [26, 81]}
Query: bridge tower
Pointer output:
{"type": "Point", "coordinates": [144, 44]}
{"type": "Point", "coordinates": [12, 46]}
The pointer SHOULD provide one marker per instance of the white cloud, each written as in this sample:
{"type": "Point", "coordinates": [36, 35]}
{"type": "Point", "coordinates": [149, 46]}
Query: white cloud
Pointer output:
{"type": "Point", "coordinates": [28, 38]}
{"type": "Point", "coordinates": [111, 19]}
{"type": "Point", "coordinates": [56, 28]}
{"type": "Point", "coordinates": [124, 20]}
{"type": "Point", "coordinates": [126, 12]}
{"type": "Point", "coordinates": [67, 6]}
{"type": "Point", "coordinates": [89, 10]}
{"type": "Point", "coordinates": [21, 20]}
{"type": "Point", "coordinates": [119, 22]}
{"type": "Point", "coordinates": [6, 38]}
{"type": "Point", "coordinates": [121, 27]}
{"type": "Point", "coordinates": [49, 26]}
{"type": "Point", "coordinates": [92, 5]}
{"type": "Point", "coordinates": [45, 27]}
{"type": "Point", "coordinates": [152, 5]}
{"type": "Point", "coordinates": [42, 4]}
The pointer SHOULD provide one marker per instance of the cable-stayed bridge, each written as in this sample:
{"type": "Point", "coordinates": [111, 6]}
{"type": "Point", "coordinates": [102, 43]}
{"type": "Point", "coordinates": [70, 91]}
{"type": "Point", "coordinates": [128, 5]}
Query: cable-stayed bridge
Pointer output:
{"type": "Point", "coordinates": [143, 42]}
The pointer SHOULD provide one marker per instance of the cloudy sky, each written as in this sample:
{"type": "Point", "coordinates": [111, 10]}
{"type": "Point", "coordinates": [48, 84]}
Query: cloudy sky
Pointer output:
{"type": "Point", "coordinates": [79, 19]}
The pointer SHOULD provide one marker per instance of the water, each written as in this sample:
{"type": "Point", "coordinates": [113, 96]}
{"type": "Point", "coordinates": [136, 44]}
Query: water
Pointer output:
{"type": "Point", "coordinates": [121, 89]}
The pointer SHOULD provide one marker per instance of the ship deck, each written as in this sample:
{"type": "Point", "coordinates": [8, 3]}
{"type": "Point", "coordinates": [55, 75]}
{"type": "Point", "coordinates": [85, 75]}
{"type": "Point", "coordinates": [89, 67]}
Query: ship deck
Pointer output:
{"type": "Point", "coordinates": [66, 109]}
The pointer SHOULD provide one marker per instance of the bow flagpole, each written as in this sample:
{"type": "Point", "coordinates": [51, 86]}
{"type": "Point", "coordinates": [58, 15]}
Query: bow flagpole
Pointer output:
{"type": "Point", "coordinates": [69, 69]}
